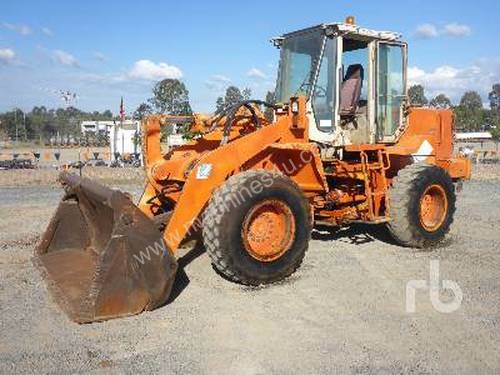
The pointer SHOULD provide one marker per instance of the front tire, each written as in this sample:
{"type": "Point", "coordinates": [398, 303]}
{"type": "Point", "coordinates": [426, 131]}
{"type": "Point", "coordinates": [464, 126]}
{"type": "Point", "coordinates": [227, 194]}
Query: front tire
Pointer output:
{"type": "Point", "coordinates": [256, 227]}
{"type": "Point", "coordinates": [422, 204]}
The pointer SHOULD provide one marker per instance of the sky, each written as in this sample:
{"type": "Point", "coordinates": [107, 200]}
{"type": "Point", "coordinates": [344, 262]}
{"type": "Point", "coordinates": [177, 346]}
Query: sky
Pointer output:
{"type": "Point", "coordinates": [103, 50]}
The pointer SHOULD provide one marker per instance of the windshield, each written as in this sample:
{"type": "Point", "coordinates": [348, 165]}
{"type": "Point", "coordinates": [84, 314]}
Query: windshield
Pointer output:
{"type": "Point", "coordinates": [300, 56]}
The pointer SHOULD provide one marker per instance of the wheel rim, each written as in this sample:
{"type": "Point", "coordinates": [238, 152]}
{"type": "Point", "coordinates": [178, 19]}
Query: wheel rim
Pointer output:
{"type": "Point", "coordinates": [268, 230]}
{"type": "Point", "coordinates": [433, 207]}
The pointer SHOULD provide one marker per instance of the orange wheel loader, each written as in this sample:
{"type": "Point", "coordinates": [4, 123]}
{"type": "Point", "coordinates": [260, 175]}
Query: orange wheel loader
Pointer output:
{"type": "Point", "coordinates": [344, 146]}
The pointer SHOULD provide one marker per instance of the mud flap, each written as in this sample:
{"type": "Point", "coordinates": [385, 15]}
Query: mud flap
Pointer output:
{"type": "Point", "coordinates": [102, 257]}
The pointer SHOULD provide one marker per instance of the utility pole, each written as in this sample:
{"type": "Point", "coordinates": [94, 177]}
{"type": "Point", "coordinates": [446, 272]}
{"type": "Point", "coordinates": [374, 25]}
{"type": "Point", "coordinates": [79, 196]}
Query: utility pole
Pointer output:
{"type": "Point", "coordinates": [17, 131]}
{"type": "Point", "coordinates": [24, 127]}
{"type": "Point", "coordinates": [69, 98]}
{"type": "Point", "coordinates": [115, 135]}
{"type": "Point", "coordinates": [115, 138]}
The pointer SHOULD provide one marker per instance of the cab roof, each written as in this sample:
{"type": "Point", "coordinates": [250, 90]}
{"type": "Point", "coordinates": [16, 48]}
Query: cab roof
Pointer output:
{"type": "Point", "coordinates": [344, 29]}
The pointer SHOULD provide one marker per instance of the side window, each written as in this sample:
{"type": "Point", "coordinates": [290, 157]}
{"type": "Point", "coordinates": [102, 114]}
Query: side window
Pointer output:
{"type": "Point", "coordinates": [323, 97]}
{"type": "Point", "coordinates": [390, 88]}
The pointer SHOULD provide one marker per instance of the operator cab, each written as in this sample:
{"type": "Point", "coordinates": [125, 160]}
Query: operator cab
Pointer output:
{"type": "Point", "coordinates": [354, 79]}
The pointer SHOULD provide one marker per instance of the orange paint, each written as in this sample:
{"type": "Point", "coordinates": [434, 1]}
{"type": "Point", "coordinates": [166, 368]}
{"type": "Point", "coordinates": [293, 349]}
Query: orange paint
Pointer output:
{"type": "Point", "coordinates": [340, 191]}
{"type": "Point", "coordinates": [433, 207]}
{"type": "Point", "coordinates": [268, 230]}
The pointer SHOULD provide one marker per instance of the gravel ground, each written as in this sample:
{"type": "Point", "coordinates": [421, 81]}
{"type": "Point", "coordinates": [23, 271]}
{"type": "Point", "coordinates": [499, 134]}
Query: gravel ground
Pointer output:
{"type": "Point", "coordinates": [47, 176]}
{"type": "Point", "coordinates": [343, 311]}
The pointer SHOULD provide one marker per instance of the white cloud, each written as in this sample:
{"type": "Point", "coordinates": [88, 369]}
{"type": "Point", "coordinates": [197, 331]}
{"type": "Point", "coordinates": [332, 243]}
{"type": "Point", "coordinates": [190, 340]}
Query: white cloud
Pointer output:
{"type": "Point", "coordinates": [457, 30]}
{"type": "Point", "coordinates": [256, 73]}
{"type": "Point", "coordinates": [141, 72]}
{"type": "Point", "coordinates": [20, 29]}
{"type": "Point", "coordinates": [454, 81]}
{"type": "Point", "coordinates": [150, 71]}
{"type": "Point", "coordinates": [427, 31]}
{"type": "Point", "coordinates": [7, 56]}
{"type": "Point", "coordinates": [47, 31]}
{"type": "Point", "coordinates": [217, 82]}
{"type": "Point", "coordinates": [65, 58]}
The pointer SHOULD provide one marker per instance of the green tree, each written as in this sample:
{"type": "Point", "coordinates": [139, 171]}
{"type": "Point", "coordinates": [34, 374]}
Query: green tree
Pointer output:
{"type": "Point", "coordinates": [142, 111]}
{"type": "Point", "coordinates": [441, 101]}
{"type": "Point", "coordinates": [106, 115]}
{"type": "Point", "coordinates": [416, 94]}
{"type": "Point", "coordinates": [268, 112]}
{"type": "Point", "coordinates": [171, 96]}
{"type": "Point", "coordinates": [39, 118]}
{"type": "Point", "coordinates": [42, 124]}
{"type": "Point", "coordinates": [246, 93]}
{"type": "Point", "coordinates": [494, 98]}
{"type": "Point", "coordinates": [469, 113]}
{"type": "Point", "coordinates": [16, 125]}
{"type": "Point", "coordinates": [490, 120]}
{"type": "Point", "coordinates": [65, 123]}
{"type": "Point", "coordinates": [232, 96]}
{"type": "Point", "coordinates": [219, 104]}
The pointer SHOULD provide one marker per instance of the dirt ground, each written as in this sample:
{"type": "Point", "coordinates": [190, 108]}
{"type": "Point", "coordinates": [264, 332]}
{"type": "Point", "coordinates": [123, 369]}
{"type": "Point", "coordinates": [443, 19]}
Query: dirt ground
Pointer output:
{"type": "Point", "coordinates": [47, 176]}
{"type": "Point", "coordinates": [343, 311]}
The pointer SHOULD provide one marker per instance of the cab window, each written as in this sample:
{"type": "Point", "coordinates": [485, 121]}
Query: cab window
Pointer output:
{"type": "Point", "coordinates": [390, 88]}
{"type": "Point", "coordinates": [324, 94]}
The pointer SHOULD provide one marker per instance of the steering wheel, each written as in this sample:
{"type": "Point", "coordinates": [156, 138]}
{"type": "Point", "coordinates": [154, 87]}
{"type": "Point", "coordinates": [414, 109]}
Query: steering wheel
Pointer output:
{"type": "Point", "coordinates": [303, 87]}
{"type": "Point", "coordinates": [319, 91]}
{"type": "Point", "coordinates": [230, 112]}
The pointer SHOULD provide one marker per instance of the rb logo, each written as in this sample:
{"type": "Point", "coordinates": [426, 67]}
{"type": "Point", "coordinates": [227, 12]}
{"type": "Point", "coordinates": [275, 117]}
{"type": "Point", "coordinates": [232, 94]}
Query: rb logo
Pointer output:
{"type": "Point", "coordinates": [434, 287]}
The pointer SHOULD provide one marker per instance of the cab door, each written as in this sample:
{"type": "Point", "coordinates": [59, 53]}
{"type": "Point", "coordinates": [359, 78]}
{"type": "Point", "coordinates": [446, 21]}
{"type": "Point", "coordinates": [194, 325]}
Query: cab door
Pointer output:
{"type": "Point", "coordinates": [391, 90]}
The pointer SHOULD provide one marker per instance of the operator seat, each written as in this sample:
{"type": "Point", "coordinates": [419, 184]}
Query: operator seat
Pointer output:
{"type": "Point", "coordinates": [350, 90]}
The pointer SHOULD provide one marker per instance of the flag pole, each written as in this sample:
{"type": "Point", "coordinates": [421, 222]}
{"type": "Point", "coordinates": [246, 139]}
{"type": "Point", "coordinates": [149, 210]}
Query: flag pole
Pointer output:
{"type": "Point", "coordinates": [122, 115]}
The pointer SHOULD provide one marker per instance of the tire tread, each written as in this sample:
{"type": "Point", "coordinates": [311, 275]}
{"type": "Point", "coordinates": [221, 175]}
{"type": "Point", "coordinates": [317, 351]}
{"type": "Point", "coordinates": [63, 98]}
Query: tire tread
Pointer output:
{"type": "Point", "coordinates": [215, 234]}
{"type": "Point", "coordinates": [401, 194]}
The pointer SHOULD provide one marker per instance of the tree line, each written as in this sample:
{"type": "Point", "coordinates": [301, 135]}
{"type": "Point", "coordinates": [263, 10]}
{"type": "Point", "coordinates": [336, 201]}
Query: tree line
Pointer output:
{"type": "Point", "coordinates": [470, 114]}
{"type": "Point", "coordinates": [170, 96]}
{"type": "Point", "coordinates": [42, 124]}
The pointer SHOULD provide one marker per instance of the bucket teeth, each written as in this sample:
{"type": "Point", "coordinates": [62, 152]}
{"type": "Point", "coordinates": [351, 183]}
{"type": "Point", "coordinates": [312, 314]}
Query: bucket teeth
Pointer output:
{"type": "Point", "coordinates": [101, 256]}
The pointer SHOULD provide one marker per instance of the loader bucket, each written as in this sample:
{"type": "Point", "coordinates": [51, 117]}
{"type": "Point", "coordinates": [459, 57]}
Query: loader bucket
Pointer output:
{"type": "Point", "coordinates": [102, 257]}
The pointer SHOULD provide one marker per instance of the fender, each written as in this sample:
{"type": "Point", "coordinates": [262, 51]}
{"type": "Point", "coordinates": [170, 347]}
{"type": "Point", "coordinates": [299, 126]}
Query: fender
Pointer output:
{"type": "Point", "coordinates": [221, 162]}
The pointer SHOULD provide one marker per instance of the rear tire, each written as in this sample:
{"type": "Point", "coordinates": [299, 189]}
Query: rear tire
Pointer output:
{"type": "Point", "coordinates": [422, 203]}
{"type": "Point", "coordinates": [256, 227]}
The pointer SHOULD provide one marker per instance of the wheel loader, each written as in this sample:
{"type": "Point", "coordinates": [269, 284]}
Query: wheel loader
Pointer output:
{"type": "Point", "coordinates": [343, 146]}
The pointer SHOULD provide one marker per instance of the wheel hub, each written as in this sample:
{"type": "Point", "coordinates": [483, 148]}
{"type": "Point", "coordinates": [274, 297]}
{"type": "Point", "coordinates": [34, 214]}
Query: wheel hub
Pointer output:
{"type": "Point", "coordinates": [268, 230]}
{"type": "Point", "coordinates": [433, 207]}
